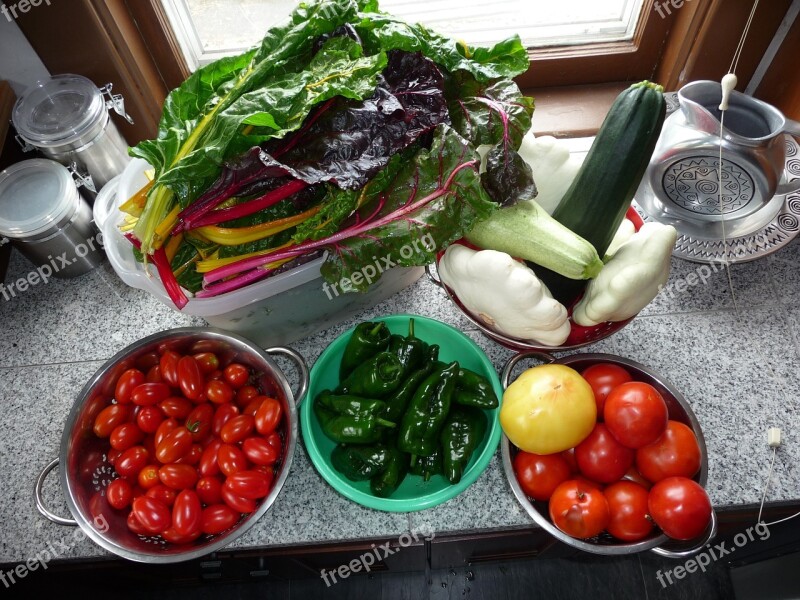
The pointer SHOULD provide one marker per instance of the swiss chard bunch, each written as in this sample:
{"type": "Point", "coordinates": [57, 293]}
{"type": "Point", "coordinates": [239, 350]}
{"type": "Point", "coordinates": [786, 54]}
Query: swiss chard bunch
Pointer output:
{"type": "Point", "coordinates": [346, 131]}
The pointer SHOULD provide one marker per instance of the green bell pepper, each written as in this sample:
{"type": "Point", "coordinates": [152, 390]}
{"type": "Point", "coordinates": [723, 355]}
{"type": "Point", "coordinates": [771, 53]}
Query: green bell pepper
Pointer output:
{"type": "Point", "coordinates": [427, 412]}
{"type": "Point", "coordinates": [367, 340]}
{"type": "Point", "coordinates": [384, 484]}
{"type": "Point", "coordinates": [474, 390]}
{"type": "Point", "coordinates": [376, 378]}
{"type": "Point", "coordinates": [461, 434]}
{"type": "Point", "coordinates": [359, 463]}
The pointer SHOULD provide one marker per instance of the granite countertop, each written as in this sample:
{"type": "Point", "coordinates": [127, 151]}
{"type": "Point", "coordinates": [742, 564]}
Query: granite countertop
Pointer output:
{"type": "Point", "coordinates": [736, 363]}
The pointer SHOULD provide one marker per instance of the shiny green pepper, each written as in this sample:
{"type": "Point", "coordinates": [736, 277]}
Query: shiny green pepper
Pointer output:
{"type": "Point", "coordinates": [426, 414]}
{"type": "Point", "coordinates": [348, 429]}
{"type": "Point", "coordinates": [376, 378]}
{"type": "Point", "coordinates": [397, 403]}
{"type": "Point", "coordinates": [359, 463]}
{"type": "Point", "coordinates": [461, 434]}
{"type": "Point", "coordinates": [410, 350]}
{"type": "Point", "coordinates": [353, 406]}
{"type": "Point", "coordinates": [428, 466]}
{"type": "Point", "coordinates": [474, 390]}
{"type": "Point", "coordinates": [385, 483]}
{"type": "Point", "coordinates": [366, 341]}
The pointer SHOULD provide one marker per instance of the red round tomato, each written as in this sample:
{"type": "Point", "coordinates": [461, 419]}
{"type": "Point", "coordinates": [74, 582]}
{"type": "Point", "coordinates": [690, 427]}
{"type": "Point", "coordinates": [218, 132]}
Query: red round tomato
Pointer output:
{"type": "Point", "coordinates": [178, 477]}
{"type": "Point", "coordinates": [190, 379]}
{"type": "Point", "coordinates": [209, 490]}
{"type": "Point", "coordinates": [680, 507]}
{"type": "Point", "coordinates": [238, 503]}
{"type": "Point", "coordinates": [245, 394]}
{"type": "Point", "coordinates": [173, 537]}
{"type": "Point", "coordinates": [538, 475]}
{"type": "Point", "coordinates": [174, 445]}
{"type": "Point", "coordinates": [237, 429]}
{"type": "Point", "coordinates": [113, 455]}
{"type": "Point", "coordinates": [569, 456]}
{"type": "Point", "coordinates": [231, 459]}
{"type": "Point", "coordinates": [135, 526]}
{"type": "Point", "coordinates": [165, 429]}
{"type": "Point", "coordinates": [148, 394]}
{"type": "Point", "coordinates": [219, 392]}
{"type": "Point", "coordinates": [236, 374]}
{"type": "Point", "coordinates": [126, 436]}
{"type": "Point", "coordinates": [579, 510]}
{"type": "Point", "coordinates": [248, 484]}
{"type": "Point", "coordinates": [207, 361]}
{"type": "Point", "coordinates": [223, 414]}
{"type": "Point", "coordinates": [169, 367]}
{"type": "Point", "coordinates": [163, 494]}
{"type": "Point", "coordinates": [199, 421]}
{"type": "Point", "coordinates": [147, 361]}
{"type": "Point", "coordinates": [601, 457]}
{"type": "Point", "coordinates": [148, 477]}
{"type": "Point", "coordinates": [126, 383]}
{"type": "Point", "coordinates": [208, 461]}
{"type": "Point", "coordinates": [110, 418]}
{"type": "Point", "coordinates": [268, 415]}
{"type": "Point", "coordinates": [153, 515]}
{"type": "Point", "coordinates": [192, 457]}
{"type": "Point", "coordinates": [251, 408]}
{"type": "Point", "coordinates": [259, 451]}
{"type": "Point", "coordinates": [186, 513]}
{"type": "Point", "coordinates": [218, 518]}
{"type": "Point", "coordinates": [636, 477]}
{"type": "Point", "coordinates": [675, 454]}
{"type": "Point", "coordinates": [635, 414]}
{"type": "Point", "coordinates": [627, 505]}
{"type": "Point", "coordinates": [154, 375]}
{"type": "Point", "coordinates": [119, 494]}
{"type": "Point", "coordinates": [604, 377]}
{"type": "Point", "coordinates": [131, 462]}
{"type": "Point", "coordinates": [274, 439]}
{"type": "Point", "coordinates": [176, 407]}
{"type": "Point", "coordinates": [149, 418]}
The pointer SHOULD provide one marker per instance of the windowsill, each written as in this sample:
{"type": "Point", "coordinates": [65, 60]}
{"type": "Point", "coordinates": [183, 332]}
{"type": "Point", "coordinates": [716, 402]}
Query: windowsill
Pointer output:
{"type": "Point", "coordinates": [572, 111]}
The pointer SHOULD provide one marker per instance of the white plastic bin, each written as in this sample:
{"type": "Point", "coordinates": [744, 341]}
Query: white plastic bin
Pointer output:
{"type": "Point", "coordinates": [278, 310]}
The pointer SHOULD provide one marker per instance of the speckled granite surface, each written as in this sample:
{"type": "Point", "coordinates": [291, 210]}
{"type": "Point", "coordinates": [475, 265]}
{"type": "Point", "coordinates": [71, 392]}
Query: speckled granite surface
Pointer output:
{"type": "Point", "coordinates": [736, 363]}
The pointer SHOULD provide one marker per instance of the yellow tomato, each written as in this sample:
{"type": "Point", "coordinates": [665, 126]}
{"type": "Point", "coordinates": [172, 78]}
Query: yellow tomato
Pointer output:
{"type": "Point", "coordinates": [548, 409]}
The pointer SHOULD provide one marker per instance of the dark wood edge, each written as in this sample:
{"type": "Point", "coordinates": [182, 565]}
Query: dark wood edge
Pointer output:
{"type": "Point", "coordinates": [7, 100]}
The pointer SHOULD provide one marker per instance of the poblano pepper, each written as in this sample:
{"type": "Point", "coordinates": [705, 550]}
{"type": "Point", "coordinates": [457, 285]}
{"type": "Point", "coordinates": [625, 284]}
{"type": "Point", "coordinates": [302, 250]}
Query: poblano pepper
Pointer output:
{"type": "Point", "coordinates": [359, 463]}
{"type": "Point", "coordinates": [353, 406]}
{"type": "Point", "coordinates": [428, 466]}
{"type": "Point", "coordinates": [397, 403]}
{"type": "Point", "coordinates": [410, 350]}
{"type": "Point", "coordinates": [427, 412]}
{"type": "Point", "coordinates": [385, 483]}
{"type": "Point", "coordinates": [348, 429]}
{"type": "Point", "coordinates": [376, 378]}
{"type": "Point", "coordinates": [367, 340]}
{"type": "Point", "coordinates": [474, 390]}
{"type": "Point", "coordinates": [461, 434]}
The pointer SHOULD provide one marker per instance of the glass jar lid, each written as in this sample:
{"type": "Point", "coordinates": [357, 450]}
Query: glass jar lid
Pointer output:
{"type": "Point", "coordinates": [58, 110]}
{"type": "Point", "coordinates": [35, 195]}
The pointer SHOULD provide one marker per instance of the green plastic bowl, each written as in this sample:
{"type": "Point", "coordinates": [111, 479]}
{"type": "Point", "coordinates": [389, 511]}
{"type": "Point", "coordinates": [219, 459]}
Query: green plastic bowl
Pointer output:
{"type": "Point", "coordinates": [414, 493]}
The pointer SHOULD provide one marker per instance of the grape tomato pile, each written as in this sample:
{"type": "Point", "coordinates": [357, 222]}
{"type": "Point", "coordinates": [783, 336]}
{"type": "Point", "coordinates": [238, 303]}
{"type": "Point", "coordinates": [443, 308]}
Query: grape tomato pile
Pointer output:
{"type": "Point", "coordinates": [634, 471]}
{"type": "Point", "coordinates": [195, 445]}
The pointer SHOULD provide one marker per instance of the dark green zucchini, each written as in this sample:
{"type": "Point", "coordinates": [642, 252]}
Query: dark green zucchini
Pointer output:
{"type": "Point", "coordinates": [595, 204]}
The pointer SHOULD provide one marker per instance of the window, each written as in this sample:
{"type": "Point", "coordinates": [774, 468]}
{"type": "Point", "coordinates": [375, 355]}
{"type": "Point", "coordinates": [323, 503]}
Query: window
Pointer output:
{"type": "Point", "coordinates": [209, 29]}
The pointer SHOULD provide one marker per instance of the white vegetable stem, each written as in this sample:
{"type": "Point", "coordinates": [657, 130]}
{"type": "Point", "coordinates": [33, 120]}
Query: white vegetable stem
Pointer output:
{"type": "Point", "coordinates": [505, 294]}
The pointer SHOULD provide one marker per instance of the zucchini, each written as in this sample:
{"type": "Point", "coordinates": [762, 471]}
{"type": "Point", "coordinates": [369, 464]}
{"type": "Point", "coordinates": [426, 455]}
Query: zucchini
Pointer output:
{"type": "Point", "coordinates": [596, 202]}
{"type": "Point", "coordinates": [526, 231]}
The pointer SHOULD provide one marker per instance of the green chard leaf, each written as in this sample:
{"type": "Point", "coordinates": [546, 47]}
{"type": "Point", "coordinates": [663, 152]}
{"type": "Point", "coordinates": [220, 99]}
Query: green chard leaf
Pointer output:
{"type": "Point", "coordinates": [431, 202]}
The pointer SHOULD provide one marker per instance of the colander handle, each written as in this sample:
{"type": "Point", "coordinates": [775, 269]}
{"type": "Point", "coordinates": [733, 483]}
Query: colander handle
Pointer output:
{"type": "Point", "coordinates": [302, 368]}
{"type": "Point", "coordinates": [37, 496]}
{"type": "Point", "coordinates": [433, 278]}
{"type": "Point", "coordinates": [514, 360]}
{"type": "Point", "coordinates": [694, 550]}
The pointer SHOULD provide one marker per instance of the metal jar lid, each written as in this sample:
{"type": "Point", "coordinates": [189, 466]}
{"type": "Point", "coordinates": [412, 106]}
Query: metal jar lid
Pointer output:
{"type": "Point", "coordinates": [59, 111]}
{"type": "Point", "coordinates": [36, 197]}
